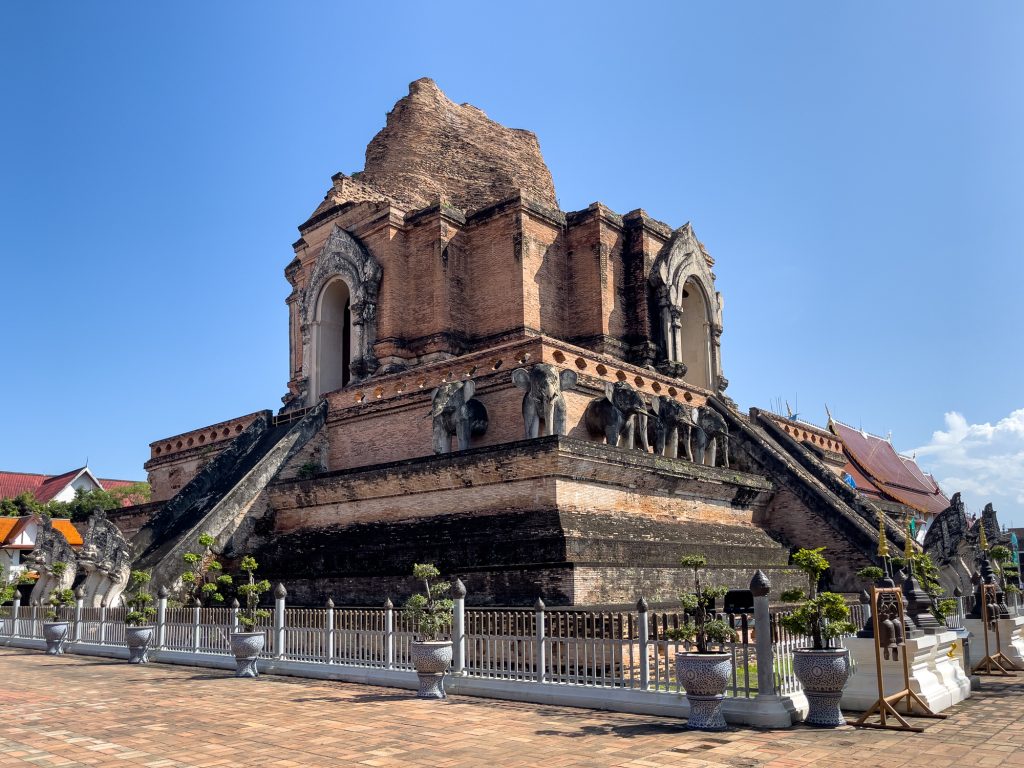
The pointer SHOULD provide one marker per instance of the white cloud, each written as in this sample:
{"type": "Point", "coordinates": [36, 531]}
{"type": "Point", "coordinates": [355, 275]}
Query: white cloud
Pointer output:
{"type": "Point", "coordinates": [985, 462]}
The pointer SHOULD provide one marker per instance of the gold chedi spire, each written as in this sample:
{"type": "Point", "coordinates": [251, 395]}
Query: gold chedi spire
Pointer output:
{"type": "Point", "coordinates": [883, 545]}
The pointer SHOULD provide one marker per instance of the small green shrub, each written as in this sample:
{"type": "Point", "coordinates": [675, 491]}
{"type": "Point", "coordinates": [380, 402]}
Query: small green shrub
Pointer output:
{"type": "Point", "coordinates": [310, 469]}
{"type": "Point", "coordinates": [871, 574]}
{"type": "Point", "coordinates": [59, 598]}
{"type": "Point", "coordinates": [139, 600]}
{"type": "Point", "coordinates": [203, 577]}
{"type": "Point", "coordinates": [704, 628]}
{"type": "Point", "coordinates": [251, 615]}
{"type": "Point", "coordinates": [430, 610]}
{"type": "Point", "coordinates": [824, 617]}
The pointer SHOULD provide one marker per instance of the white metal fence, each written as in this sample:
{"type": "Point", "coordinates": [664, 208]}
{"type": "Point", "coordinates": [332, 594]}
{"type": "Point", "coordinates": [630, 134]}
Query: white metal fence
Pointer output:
{"type": "Point", "coordinates": [500, 652]}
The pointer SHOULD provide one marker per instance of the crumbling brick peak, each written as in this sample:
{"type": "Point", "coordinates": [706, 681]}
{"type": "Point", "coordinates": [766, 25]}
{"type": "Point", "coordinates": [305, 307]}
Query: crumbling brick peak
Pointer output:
{"type": "Point", "coordinates": [432, 147]}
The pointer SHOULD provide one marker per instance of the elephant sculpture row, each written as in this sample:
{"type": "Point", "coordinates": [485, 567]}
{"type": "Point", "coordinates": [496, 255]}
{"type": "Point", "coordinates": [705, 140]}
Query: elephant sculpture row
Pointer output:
{"type": "Point", "coordinates": [622, 417]}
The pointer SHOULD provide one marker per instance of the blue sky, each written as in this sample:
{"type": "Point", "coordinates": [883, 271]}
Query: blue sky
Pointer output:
{"type": "Point", "coordinates": [855, 169]}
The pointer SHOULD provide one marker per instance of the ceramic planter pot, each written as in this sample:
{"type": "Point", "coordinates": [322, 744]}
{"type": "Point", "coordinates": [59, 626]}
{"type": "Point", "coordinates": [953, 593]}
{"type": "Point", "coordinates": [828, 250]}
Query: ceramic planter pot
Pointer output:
{"type": "Point", "coordinates": [705, 677]}
{"type": "Point", "coordinates": [56, 634]}
{"type": "Point", "coordinates": [823, 675]}
{"type": "Point", "coordinates": [431, 658]}
{"type": "Point", "coordinates": [138, 639]}
{"type": "Point", "coordinates": [246, 647]}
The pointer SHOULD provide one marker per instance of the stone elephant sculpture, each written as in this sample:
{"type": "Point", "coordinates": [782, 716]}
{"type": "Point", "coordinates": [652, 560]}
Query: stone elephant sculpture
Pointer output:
{"type": "Point", "coordinates": [710, 433]}
{"type": "Point", "coordinates": [543, 400]}
{"type": "Point", "coordinates": [672, 428]}
{"type": "Point", "coordinates": [455, 413]}
{"type": "Point", "coordinates": [620, 417]}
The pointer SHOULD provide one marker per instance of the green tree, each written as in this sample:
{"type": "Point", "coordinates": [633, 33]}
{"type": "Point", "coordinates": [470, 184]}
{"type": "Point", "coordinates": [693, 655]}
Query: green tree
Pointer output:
{"type": "Point", "coordinates": [21, 505]}
{"type": "Point", "coordinates": [80, 508]}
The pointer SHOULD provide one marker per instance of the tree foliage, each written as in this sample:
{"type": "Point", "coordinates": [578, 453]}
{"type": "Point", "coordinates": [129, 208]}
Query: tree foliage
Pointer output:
{"type": "Point", "coordinates": [700, 625]}
{"type": "Point", "coordinates": [252, 614]}
{"type": "Point", "coordinates": [431, 610]}
{"type": "Point", "coordinates": [80, 508]}
{"type": "Point", "coordinates": [822, 616]}
{"type": "Point", "coordinates": [139, 599]}
{"type": "Point", "coordinates": [203, 577]}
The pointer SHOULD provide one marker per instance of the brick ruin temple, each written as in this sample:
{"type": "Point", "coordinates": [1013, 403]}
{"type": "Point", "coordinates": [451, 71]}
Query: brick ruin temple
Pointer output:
{"type": "Point", "coordinates": [531, 398]}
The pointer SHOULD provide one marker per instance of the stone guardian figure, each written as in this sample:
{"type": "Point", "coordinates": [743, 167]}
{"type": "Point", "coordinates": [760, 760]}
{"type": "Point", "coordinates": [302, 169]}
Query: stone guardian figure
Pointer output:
{"type": "Point", "coordinates": [455, 413]}
{"type": "Point", "coordinates": [543, 401]}
{"type": "Point", "coordinates": [620, 416]}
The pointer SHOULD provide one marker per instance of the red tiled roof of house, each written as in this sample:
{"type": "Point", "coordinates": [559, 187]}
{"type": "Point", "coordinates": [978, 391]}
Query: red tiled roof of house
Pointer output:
{"type": "Point", "coordinates": [45, 487]}
{"type": "Point", "coordinates": [897, 477]}
{"type": "Point", "coordinates": [108, 484]}
{"type": "Point", "coordinates": [15, 483]}
{"type": "Point", "coordinates": [54, 485]}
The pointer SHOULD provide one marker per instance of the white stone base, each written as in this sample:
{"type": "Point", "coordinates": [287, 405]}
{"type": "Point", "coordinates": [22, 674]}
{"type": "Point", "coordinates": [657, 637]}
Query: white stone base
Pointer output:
{"type": "Point", "coordinates": [1011, 638]}
{"type": "Point", "coordinates": [934, 676]}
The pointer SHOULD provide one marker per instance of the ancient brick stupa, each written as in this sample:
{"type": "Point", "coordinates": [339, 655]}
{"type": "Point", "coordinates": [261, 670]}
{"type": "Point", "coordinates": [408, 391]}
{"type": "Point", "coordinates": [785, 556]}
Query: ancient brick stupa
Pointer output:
{"type": "Point", "coordinates": [530, 398]}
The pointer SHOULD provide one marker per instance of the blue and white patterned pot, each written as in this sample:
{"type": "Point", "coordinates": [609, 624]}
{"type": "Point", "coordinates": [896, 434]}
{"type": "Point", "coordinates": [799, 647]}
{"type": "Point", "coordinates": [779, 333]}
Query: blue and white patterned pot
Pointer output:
{"type": "Point", "coordinates": [56, 634]}
{"type": "Point", "coordinates": [431, 659]}
{"type": "Point", "coordinates": [705, 677]}
{"type": "Point", "coordinates": [138, 639]}
{"type": "Point", "coordinates": [823, 675]}
{"type": "Point", "coordinates": [246, 647]}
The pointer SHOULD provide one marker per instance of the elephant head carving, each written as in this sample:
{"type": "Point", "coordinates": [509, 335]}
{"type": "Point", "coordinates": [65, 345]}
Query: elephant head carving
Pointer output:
{"type": "Point", "coordinates": [672, 428]}
{"type": "Point", "coordinates": [710, 435]}
{"type": "Point", "coordinates": [456, 413]}
{"type": "Point", "coordinates": [620, 416]}
{"type": "Point", "coordinates": [543, 400]}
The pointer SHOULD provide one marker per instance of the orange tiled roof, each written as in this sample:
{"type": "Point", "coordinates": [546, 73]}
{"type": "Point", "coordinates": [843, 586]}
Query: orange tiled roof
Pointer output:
{"type": "Point", "coordinates": [70, 532]}
{"type": "Point", "coordinates": [11, 527]}
{"type": "Point", "coordinates": [6, 526]}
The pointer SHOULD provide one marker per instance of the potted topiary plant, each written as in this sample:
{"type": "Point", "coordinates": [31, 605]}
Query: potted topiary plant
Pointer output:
{"type": "Point", "coordinates": [138, 627]}
{"type": "Point", "coordinates": [56, 629]}
{"type": "Point", "coordinates": [821, 669]}
{"type": "Point", "coordinates": [246, 646]}
{"type": "Point", "coordinates": [431, 614]}
{"type": "Point", "coordinates": [703, 673]}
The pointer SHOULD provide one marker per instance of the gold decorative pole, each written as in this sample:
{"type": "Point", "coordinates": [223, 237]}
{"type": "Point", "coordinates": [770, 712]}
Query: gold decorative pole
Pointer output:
{"type": "Point", "coordinates": [982, 540]}
{"type": "Point", "coordinates": [883, 544]}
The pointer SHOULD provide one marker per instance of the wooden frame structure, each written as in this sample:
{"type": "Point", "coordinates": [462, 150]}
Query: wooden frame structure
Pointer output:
{"type": "Point", "coordinates": [885, 706]}
{"type": "Point", "coordinates": [996, 661]}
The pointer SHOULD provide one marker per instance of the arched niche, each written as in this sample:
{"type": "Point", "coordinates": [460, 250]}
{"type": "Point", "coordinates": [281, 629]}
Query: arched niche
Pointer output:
{"type": "Point", "coordinates": [685, 312]}
{"type": "Point", "coordinates": [695, 335]}
{"type": "Point", "coordinates": [338, 310]}
{"type": "Point", "coordinates": [332, 339]}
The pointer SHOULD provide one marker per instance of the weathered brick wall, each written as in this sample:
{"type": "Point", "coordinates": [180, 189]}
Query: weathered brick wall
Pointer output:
{"type": "Point", "coordinates": [800, 526]}
{"type": "Point", "coordinates": [176, 460]}
{"type": "Point", "coordinates": [385, 419]}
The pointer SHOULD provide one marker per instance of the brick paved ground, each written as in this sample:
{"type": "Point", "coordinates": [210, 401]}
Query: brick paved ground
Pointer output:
{"type": "Point", "coordinates": [89, 711]}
